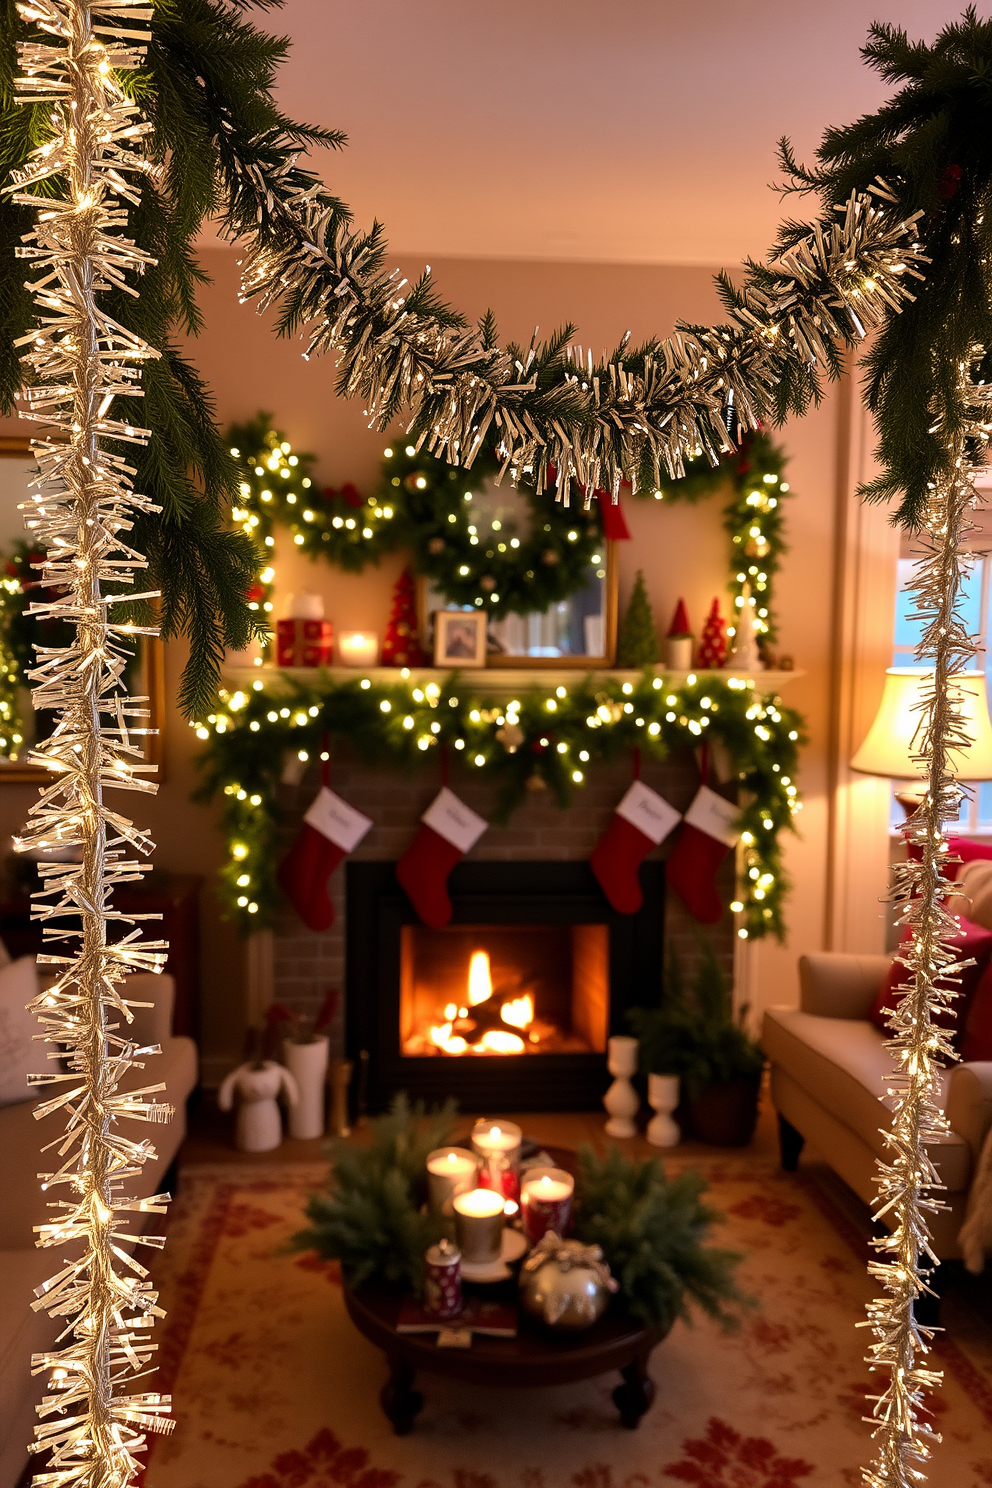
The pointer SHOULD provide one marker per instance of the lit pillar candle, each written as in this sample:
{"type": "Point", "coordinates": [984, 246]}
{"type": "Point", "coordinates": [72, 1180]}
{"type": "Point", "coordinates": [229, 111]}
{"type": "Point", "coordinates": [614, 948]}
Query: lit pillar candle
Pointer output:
{"type": "Point", "coordinates": [546, 1201]}
{"type": "Point", "coordinates": [450, 1171]}
{"type": "Point", "coordinates": [358, 648]}
{"type": "Point", "coordinates": [479, 1225]}
{"type": "Point", "coordinates": [498, 1145]}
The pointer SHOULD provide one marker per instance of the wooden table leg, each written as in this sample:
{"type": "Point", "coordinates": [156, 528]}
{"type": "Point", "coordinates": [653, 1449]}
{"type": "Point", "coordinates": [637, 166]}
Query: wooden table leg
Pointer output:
{"type": "Point", "coordinates": [400, 1401]}
{"type": "Point", "coordinates": [635, 1396]}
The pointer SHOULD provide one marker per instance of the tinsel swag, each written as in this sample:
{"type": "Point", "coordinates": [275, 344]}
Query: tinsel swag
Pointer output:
{"type": "Point", "coordinates": [80, 361]}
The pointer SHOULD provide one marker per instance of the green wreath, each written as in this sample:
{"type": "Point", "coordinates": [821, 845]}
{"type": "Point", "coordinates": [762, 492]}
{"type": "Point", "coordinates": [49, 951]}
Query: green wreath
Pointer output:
{"type": "Point", "coordinates": [346, 528]}
{"type": "Point", "coordinates": [475, 558]}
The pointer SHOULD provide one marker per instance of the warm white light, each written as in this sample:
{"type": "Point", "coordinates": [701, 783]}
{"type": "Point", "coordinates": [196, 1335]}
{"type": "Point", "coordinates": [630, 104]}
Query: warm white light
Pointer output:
{"type": "Point", "coordinates": [480, 981]}
{"type": "Point", "coordinates": [888, 747]}
{"type": "Point", "coordinates": [519, 1011]}
{"type": "Point", "coordinates": [495, 1041]}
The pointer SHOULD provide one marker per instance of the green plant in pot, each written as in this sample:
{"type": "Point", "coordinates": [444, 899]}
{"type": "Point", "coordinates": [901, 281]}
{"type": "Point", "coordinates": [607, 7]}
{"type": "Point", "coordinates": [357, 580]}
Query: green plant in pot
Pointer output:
{"type": "Point", "coordinates": [694, 1033]}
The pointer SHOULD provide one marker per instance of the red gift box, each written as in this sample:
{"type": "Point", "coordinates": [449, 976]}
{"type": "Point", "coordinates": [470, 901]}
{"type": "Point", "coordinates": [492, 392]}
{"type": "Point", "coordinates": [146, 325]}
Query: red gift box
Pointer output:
{"type": "Point", "coordinates": [308, 643]}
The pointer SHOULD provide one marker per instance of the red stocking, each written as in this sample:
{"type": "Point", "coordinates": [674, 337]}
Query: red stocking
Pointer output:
{"type": "Point", "coordinates": [331, 829]}
{"type": "Point", "coordinates": [640, 822]}
{"type": "Point", "coordinates": [448, 830]}
{"type": "Point", "coordinates": [708, 834]}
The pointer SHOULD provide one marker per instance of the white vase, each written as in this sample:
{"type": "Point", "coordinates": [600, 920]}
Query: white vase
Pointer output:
{"type": "Point", "coordinates": [307, 1063]}
{"type": "Point", "coordinates": [663, 1097]}
{"type": "Point", "coordinates": [259, 1122]}
{"type": "Point", "coordinates": [679, 653]}
{"type": "Point", "coordinates": [621, 1100]}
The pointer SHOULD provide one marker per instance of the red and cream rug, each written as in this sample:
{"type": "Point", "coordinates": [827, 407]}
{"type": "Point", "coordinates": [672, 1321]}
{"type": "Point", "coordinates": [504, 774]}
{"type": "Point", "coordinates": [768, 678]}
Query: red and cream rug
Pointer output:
{"type": "Point", "coordinates": [274, 1388]}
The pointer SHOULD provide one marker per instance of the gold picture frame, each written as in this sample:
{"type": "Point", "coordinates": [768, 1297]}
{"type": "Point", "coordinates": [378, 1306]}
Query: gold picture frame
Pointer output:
{"type": "Point", "coordinates": [150, 682]}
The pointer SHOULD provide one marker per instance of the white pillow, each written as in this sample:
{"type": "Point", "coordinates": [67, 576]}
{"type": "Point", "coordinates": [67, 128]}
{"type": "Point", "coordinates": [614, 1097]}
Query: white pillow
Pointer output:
{"type": "Point", "coordinates": [19, 1056]}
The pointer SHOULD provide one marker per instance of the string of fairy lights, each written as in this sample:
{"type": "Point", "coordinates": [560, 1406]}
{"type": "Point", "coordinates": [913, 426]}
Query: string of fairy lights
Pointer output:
{"type": "Point", "coordinates": [80, 364]}
{"type": "Point", "coordinates": [547, 737]}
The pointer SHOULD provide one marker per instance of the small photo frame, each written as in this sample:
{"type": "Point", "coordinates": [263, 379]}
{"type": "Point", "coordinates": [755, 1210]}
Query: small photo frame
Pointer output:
{"type": "Point", "coordinates": [459, 638]}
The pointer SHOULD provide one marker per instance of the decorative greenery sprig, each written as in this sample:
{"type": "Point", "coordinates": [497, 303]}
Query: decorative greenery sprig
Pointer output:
{"type": "Point", "coordinates": [369, 1217]}
{"type": "Point", "coordinates": [651, 1229]}
{"type": "Point", "coordinates": [697, 1036]}
{"type": "Point", "coordinates": [556, 734]}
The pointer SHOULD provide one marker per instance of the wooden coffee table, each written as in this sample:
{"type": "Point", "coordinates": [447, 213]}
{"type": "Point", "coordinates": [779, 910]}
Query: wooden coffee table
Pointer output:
{"type": "Point", "coordinates": [537, 1356]}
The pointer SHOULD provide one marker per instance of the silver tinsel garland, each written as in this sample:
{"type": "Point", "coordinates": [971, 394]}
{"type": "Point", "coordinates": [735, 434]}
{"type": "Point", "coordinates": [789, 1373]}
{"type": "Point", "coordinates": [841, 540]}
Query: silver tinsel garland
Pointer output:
{"type": "Point", "coordinates": [80, 362]}
{"type": "Point", "coordinates": [596, 424]}
{"type": "Point", "coordinates": [920, 1043]}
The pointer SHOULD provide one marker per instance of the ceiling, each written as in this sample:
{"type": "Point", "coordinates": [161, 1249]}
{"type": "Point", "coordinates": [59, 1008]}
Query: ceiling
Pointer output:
{"type": "Point", "coordinates": [638, 131]}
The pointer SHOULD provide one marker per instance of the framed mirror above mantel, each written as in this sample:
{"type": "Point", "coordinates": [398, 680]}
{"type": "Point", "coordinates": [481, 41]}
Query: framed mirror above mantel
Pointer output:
{"type": "Point", "coordinates": [17, 469]}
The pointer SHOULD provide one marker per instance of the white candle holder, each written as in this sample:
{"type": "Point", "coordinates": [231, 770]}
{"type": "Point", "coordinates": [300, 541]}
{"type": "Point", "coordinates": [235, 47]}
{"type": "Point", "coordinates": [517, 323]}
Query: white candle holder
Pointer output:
{"type": "Point", "coordinates": [307, 1063]}
{"type": "Point", "coordinates": [479, 1225]}
{"type": "Point", "coordinates": [358, 648]}
{"type": "Point", "coordinates": [621, 1100]}
{"type": "Point", "coordinates": [663, 1097]}
{"type": "Point", "coordinates": [450, 1171]}
{"type": "Point", "coordinates": [498, 1146]}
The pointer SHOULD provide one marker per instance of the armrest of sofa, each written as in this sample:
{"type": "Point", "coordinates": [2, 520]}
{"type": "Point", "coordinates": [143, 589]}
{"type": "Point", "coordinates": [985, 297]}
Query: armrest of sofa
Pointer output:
{"type": "Point", "coordinates": [836, 985]}
{"type": "Point", "coordinates": [969, 1105]}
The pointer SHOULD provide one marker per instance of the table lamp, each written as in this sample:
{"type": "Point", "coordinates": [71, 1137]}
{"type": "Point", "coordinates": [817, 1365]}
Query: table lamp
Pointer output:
{"type": "Point", "coordinates": [888, 747]}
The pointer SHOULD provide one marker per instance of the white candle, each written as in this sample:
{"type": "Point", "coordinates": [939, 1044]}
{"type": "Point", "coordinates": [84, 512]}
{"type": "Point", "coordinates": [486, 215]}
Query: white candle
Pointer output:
{"type": "Point", "coordinates": [450, 1171]}
{"type": "Point", "coordinates": [496, 1136]}
{"type": "Point", "coordinates": [546, 1201]}
{"type": "Point", "coordinates": [546, 1188]}
{"type": "Point", "coordinates": [479, 1225]}
{"type": "Point", "coordinates": [498, 1145]}
{"type": "Point", "coordinates": [358, 648]}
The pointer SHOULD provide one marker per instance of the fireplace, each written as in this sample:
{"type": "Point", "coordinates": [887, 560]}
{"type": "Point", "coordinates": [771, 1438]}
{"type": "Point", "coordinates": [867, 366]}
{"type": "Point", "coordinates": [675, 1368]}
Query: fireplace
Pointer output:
{"type": "Point", "coordinates": [509, 1006]}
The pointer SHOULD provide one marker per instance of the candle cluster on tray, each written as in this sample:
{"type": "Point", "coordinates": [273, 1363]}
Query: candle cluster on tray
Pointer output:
{"type": "Point", "coordinates": [482, 1190]}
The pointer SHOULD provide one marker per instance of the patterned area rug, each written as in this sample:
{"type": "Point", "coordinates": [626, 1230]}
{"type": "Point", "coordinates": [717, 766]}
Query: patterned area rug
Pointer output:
{"type": "Point", "coordinates": [274, 1388]}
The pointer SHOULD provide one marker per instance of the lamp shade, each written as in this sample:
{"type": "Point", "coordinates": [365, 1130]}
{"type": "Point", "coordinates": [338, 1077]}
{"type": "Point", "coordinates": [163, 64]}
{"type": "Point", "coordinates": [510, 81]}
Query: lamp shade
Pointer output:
{"type": "Point", "coordinates": [888, 747]}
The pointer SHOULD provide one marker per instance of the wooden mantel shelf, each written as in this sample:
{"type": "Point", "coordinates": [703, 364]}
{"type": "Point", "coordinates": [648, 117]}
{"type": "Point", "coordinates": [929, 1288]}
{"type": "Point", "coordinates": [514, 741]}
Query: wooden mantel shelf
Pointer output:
{"type": "Point", "coordinates": [496, 679]}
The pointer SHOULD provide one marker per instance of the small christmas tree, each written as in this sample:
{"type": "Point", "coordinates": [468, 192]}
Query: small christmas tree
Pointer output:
{"type": "Point", "coordinates": [637, 645]}
{"type": "Point", "coordinates": [401, 646]}
{"type": "Point", "coordinates": [713, 642]}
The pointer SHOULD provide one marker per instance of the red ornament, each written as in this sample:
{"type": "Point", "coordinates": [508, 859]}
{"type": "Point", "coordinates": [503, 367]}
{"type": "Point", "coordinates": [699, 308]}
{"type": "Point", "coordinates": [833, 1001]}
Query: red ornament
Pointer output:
{"type": "Point", "coordinates": [713, 642]}
{"type": "Point", "coordinates": [401, 646]}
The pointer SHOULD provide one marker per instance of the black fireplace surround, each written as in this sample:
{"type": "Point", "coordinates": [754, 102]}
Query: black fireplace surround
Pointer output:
{"type": "Point", "coordinates": [491, 893]}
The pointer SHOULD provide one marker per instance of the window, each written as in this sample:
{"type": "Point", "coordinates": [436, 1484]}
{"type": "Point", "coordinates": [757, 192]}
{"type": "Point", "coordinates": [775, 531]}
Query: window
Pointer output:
{"type": "Point", "coordinates": [976, 809]}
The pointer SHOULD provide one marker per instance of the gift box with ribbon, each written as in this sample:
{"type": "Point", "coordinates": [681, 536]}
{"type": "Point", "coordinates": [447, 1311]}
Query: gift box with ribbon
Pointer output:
{"type": "Point", "coordinates": [305, 638]}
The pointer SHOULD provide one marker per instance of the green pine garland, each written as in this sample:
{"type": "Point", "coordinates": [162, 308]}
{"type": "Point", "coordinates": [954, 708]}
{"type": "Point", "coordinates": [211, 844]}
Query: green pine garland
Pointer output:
{"type": "Point", "coordinates": [276, 485]}
{"type": "Point", "coordinates": [557, 734]}
{"type": "Point", "coordinates": [753, 517]}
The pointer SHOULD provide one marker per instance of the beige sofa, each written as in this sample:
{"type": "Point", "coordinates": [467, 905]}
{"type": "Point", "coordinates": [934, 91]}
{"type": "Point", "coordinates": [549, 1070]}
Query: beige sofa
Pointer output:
{"type": "Point", "coordinates": [22, 1205]}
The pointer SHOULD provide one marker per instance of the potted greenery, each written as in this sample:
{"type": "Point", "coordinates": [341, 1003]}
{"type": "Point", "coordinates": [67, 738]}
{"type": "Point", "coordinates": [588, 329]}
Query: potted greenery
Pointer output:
{"type": "Point", "coordinates": [697, 1036]}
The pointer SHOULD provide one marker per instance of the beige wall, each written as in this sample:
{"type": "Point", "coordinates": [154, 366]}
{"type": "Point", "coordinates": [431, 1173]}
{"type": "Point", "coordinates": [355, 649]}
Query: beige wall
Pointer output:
{"type": "Point", "coordinates": [683, 551]}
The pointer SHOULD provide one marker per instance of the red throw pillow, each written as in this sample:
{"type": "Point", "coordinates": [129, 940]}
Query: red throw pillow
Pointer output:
{"type": "Point", "coordinates": [965, 848]}
{"type": "Point", "coordinates": [973, 941]}
{"type": "Point", "coordinates": [976, 1041]}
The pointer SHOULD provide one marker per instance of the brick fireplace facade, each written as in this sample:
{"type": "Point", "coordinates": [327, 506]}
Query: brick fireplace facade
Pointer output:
{"type": "Point", "coordinates": [304, 965]}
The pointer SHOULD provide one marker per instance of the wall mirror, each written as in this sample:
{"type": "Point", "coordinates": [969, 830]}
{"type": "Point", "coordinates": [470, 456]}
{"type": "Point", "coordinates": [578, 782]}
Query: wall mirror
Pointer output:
{"type": "Point", "coordinates": [579, 631]}
{"type": "Point", "coordinates": [17, 467]}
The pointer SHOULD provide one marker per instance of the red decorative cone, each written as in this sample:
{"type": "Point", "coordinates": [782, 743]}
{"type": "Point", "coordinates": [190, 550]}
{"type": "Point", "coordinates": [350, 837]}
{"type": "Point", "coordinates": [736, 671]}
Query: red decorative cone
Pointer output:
{"type": "Point", "coordinates": [708, 833]}
{"type": "Point", "coordinates": [713, 642]}
{"type": "Point", "coordinates": [641, 820]}
{"type": "Point", "coordinates": [680, 622]}
{"type": "Point", "coordinates": [401, 646]}
{"type": "Point", "coordinates": [448, 830]}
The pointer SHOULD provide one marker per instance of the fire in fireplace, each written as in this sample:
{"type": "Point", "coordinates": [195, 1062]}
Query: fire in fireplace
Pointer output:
{"type": "Point", "coordinates": [510, 1006]}
{"type": "Point", "coordinates": [471, 990]}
